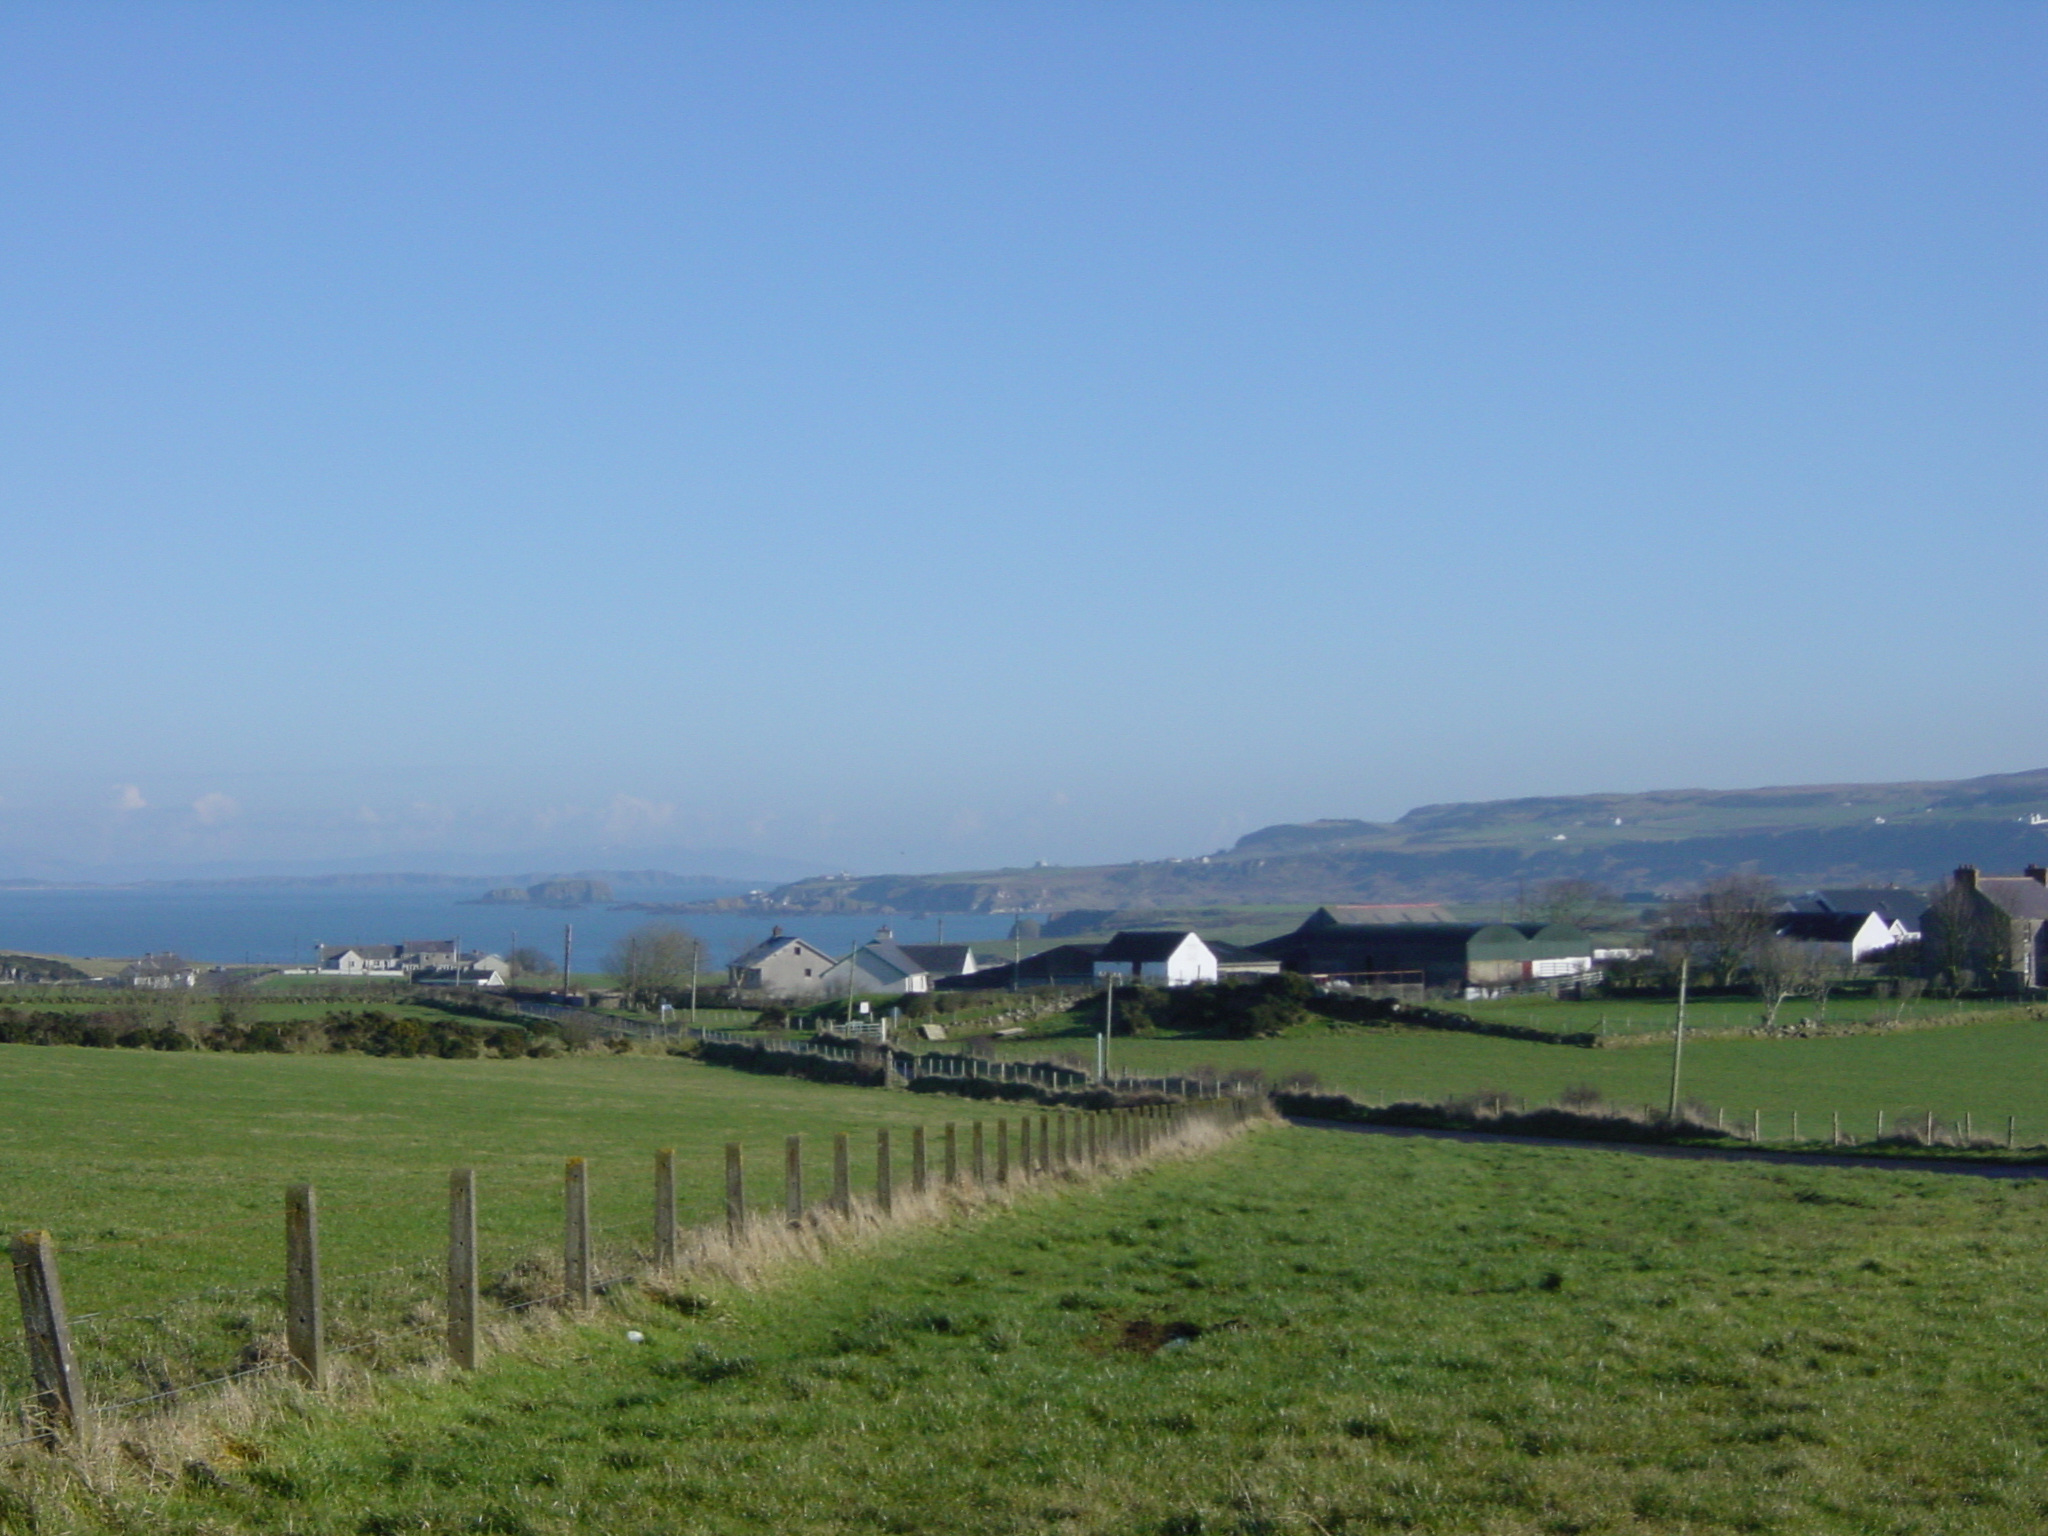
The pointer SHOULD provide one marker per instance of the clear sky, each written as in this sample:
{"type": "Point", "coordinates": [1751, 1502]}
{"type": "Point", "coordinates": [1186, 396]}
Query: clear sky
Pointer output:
{"type": "Point", "coordinates": [884, 436]}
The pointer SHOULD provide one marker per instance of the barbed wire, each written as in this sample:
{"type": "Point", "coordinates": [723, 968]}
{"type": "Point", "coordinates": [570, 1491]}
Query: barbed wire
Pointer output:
{"type": "Point", "coordinates": [197, 1386]}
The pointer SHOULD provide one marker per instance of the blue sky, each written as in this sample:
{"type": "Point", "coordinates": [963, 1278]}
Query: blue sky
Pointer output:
{"type": "Point", "coordinates": [908, 437]}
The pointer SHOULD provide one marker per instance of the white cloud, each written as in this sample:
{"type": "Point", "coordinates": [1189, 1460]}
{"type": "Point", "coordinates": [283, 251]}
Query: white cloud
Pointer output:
{"type": "Point", "coordinates": [128, 798]}
{"type": "Point", "coordinates": [215, 808]}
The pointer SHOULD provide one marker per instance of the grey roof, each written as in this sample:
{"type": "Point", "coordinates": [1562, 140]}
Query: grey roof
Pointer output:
{"type": "Point", "coordinates": [1141, 947]}
{"type": "Point", "coordinates": [1890, 900]}
{"type": "Point", "coordinates": [890, 953]}
{"type": "Point", "coordinates": [769, 946]}
{"type": "Point", "coordinates": [940, 959]}
{"type": "Point", "coordinates": [2016, 895]}
{"type": "Point", "coordinates": [1351, 915]}
{"type": "Point", "coordinates": [1237, 954]}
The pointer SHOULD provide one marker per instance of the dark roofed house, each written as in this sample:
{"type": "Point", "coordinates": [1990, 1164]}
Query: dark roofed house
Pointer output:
{"type": "Point", "coordinates": [1996, 925]}
{"type": "Point", "coordinates": [1165, 959]}
{"type": "Point", "coordinates": [1353, 915]}
{"type": "Point", "coordinates": [1064, 965]}
{"type": "Point", "coordinates": [1892, 904]}
{"type": "Point", "coordinates": [1236, 960]}
{"type": "Point", "coordinates": [943, 960]}
{"type": "Point", "coordinates": [880, 966]}
{"type": "Point", "coordinates": [781, 965]}
{"type": "Point", "coordinates": [1851, 936]}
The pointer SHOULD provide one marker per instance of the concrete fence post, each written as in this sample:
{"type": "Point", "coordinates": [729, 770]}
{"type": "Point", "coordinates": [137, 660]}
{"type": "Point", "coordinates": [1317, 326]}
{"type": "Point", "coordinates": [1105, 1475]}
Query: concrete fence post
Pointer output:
{"type": "Point", "coordinates": [577, 1283]}
{"type": "Point", "coordinates": [462, 1277]}
{"type": "Point", "coordinates": [60, 1398]}
{"type": "Point", "coordinates": [735, 1190]}
{"type": "Point", "coordinates": [793, 1179]}
{"type": "Point", "coordinates": [842, 1175]}
{"type": "Point", "coordinates": [665, 1208]}
{"type": "Point", "coordinates": [305, 1333]}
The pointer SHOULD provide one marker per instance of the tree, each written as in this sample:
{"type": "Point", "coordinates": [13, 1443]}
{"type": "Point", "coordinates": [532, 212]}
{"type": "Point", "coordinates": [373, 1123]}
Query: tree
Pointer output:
{"type": "Point", "coordinates": [1728, 922]}
{"type": "Point", "coordinates": [1581, 903]}
{"type": "Point", "coordinates": [656, 962]}
{"type": "Point", "coordinates": [528, 961]}
{"type": "Point", "coordinates": [1965, 936]}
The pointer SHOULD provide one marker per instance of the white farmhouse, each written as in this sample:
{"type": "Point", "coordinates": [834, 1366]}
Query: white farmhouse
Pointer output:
{"type": "Point", "coordinates": [1163, 959]}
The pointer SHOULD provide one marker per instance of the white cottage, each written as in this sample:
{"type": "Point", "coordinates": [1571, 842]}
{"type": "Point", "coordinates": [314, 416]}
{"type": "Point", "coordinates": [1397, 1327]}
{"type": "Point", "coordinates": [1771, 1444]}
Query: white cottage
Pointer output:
{"type": "Point", "coordinates": [1163, 959]}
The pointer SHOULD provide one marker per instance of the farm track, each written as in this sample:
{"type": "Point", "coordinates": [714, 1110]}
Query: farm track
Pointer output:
{"type": "Point", "coordinates": [1983, 1170]}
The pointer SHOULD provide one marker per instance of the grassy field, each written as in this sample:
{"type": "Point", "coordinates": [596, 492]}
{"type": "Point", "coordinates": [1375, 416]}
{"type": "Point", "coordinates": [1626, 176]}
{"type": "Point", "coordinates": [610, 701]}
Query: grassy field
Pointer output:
{"type": "Point", "coordinates": [1307, 1332]}
{"type": "Point", "coordinates": [1987, 1070]}
{"type": "Point", "coordinates": [1625, 1016]}
{"type": "Point", "coordinates": [162, 1176]}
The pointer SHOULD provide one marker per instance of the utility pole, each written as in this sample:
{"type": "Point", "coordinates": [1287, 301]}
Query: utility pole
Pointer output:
{"type": "Point", "coordinates": [694, 947]}
{"type": "Point", "coordinates": [1678, 1035]}
{"type": "Point", "coordinates": [568, 939]}
{"type": "Point", "coordinates": [1108, 1022]}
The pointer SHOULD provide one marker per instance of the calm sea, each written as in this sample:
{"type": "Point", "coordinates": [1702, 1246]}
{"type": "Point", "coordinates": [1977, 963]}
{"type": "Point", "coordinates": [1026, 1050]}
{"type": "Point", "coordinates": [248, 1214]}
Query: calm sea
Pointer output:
{"type": "Point", "coordinates": [282, 927]}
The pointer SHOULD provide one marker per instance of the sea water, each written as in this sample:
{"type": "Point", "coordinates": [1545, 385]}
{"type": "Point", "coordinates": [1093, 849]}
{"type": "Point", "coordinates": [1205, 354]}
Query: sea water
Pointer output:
{"type": "Point", "coordinates": [237, 925]}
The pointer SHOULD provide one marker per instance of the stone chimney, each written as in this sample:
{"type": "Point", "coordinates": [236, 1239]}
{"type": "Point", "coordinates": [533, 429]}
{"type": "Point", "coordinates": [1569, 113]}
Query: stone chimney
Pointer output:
{"type": "Point", "coordinates": [1966, 876]}
{"type": "Point", "coordinates": [2037, 874]}
{"type": "Point", "coordinates": [884, 934]}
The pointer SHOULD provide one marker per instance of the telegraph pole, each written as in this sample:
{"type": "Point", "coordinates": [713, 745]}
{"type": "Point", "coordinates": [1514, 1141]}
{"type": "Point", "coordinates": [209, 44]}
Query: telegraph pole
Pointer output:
{"type": "Point", "coordinates": [1678, 1035]}
{"type": "Point", "coordinates": [568, 939]}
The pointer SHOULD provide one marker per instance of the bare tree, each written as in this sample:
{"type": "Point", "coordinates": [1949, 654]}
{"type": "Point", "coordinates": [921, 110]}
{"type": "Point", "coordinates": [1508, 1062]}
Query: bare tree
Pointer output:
{"type": "Point", "coordinates": [656, 963]}
{"type": "Point", "coordinates": [1777, 970]}
{"type": "Point", "coordinates": [1726, 924]}
{"type": "Point", "coordinates": [1964, 936]}
{"type": "Point", "coordinates": [1581, 903]}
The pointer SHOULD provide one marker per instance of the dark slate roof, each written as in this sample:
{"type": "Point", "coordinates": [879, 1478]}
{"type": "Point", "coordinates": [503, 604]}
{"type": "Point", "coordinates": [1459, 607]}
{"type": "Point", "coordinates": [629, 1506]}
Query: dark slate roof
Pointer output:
{"type": "Point", "coordinates": [769, 946]}
{"type": "Point", "coordinates": [890, 953]}
{"type": "Point", "coordinates": [1353, 915]}
{"type": "Point", "coordinates": [940, 959]}
{"type": "Point", "coordinates": [1889, 900]}
{"type": "Point", "coordinates": [1235, 954]}
{"type": "Point", "coordinates": [2016, 895]}
{"type": "Point", "coordinates": [1143, 947]}
{"type": "Point", "coordinates": [1821, 927]}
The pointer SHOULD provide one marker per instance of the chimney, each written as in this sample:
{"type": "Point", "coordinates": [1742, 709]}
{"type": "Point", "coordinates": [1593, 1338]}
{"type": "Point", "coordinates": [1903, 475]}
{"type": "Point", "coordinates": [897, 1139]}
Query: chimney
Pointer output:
{"type": "Point", "coordinates": [2037, 874]}
{"type": "Point", "coordinates": [775, 932]}
{"type": "Point", "coordinates": [884, 933]}
{"type": "Point", "coordinates": [1966, 876]}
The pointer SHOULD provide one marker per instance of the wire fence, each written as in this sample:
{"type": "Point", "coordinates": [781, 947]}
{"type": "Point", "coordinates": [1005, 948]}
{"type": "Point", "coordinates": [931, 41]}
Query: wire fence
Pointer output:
{"type": "Point", "coordinates": [123, 1362]}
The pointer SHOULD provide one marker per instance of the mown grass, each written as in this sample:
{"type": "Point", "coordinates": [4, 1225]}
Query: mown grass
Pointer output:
{"type": "Point", "coordinates": [1633, 1016]}
{"type": "Point", "coordinates": [162, 1176]}
{"type": "Point", "coordinates": [1306, 1332]}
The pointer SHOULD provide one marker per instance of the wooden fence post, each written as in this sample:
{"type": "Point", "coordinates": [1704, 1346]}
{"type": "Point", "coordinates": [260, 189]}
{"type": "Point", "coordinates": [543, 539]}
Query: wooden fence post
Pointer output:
{"type": "Point", "coordinates": [1060, 1143]}
{"type": "Point", "coordinates": [462, 1284]}
{"type": "Point", "coordinates": [1045, 1143]}
{"type": "Point", "coordinates": [665, 1208]}
{"type": "Point", "coordinates": [1003, 1151]}
{"type": "Point", "coordinates": [2010, 1132]}
{"type": "Point", "coordinates": [1969, 1127]}
{"type": "Point", "coordinates": [576, 1280]}
{"type": "Point", "coordinates": [980, 1156]}
{"type": "Point", "coordinates": [1835, 1123]}
{"type": "Point", "coordinates": [1928, 1139]}
{"type": "Point", "coordinates": [842, 1175]}
{"type": "Point", "coordinates": [793, 1180]}
{"type": "Point", "coordinates": [885, 1175]}
{"type": "Point", "coordinates": [305, 1337]}
{"type": "Point", "coordinates": [952, 1154]}
{"type": "Point", "coordinates": [1756, 1125]}
{"type": "Point", "coordinates": [60, 1398]}
{"type": "Point", "coordinates": [917, 1173]}
{"type": "Point", "coordinates": [1795, 1125]}
{"type": "Point", "coordinates": [735, 1191]}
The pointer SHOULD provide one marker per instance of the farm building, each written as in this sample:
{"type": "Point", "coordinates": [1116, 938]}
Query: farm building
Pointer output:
{"type": "Point", "coordinates": [1851, 937]}
{"type": "Point", "coordinates": [1164, 959]}
{"type": "Point", "coordinates": [781, 965]}
{"type": "Point", "coordinates": [1064, 965]}
{"type": "Point", "coordinates": [1478, 956]}
{"type": "Point", "coordinates": [1898, 909]}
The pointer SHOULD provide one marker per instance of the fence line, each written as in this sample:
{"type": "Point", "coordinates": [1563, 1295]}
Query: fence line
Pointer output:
{"type": "Point", "coordinates": [61, 1409]}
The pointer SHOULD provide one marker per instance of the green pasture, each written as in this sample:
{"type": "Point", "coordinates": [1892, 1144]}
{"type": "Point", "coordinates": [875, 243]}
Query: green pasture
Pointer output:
{"type": "Point", "coordinates": [1988, 1071]}
{"type": "Point", "coordinates": [1627, 1016]}
{"type": "Point", "coordinates": [162, 1176]}
{"type": "Point", "coordinates": [1306, 1332]}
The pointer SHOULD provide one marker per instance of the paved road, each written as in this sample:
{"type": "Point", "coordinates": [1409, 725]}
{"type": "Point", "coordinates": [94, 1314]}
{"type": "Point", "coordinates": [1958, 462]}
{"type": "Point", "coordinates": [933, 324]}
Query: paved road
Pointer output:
{"type": "Point", "coordinates": [1697, 1154]}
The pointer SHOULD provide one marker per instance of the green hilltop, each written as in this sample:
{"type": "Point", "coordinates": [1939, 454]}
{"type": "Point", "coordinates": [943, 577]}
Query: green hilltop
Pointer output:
{"type": "Point", "coordinates": [1906, 834]}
